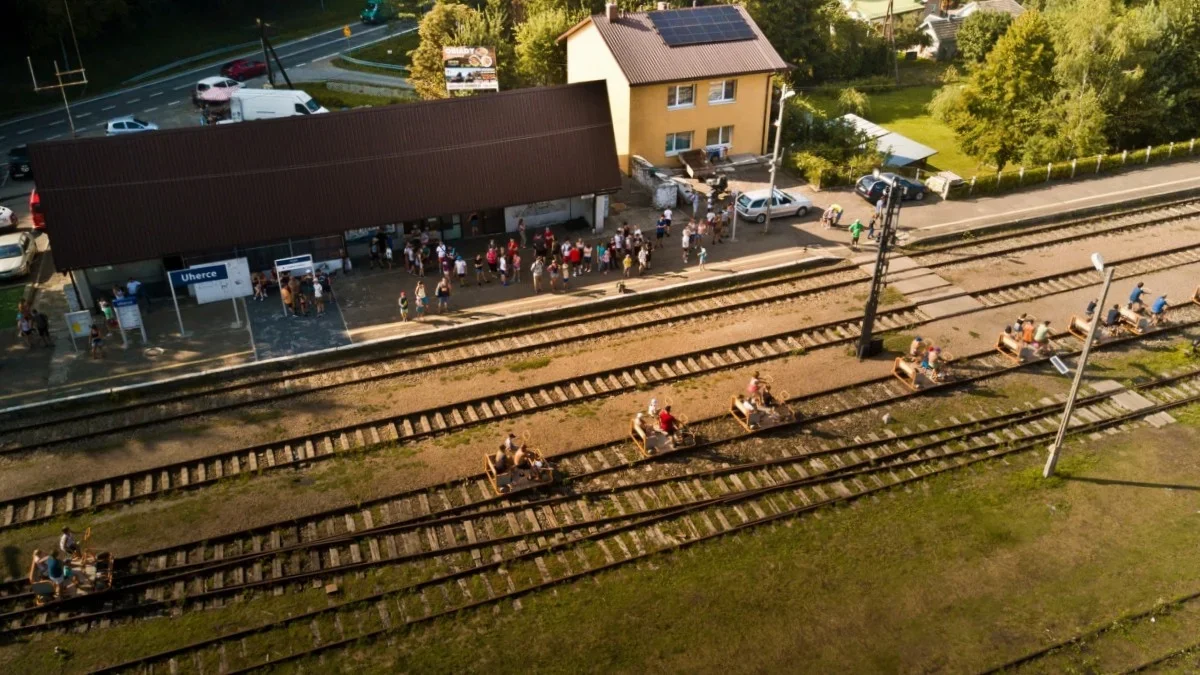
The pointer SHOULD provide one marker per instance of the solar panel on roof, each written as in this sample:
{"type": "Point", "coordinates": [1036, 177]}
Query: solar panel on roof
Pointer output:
{"type": "Point", "coordinates": [701, 25]}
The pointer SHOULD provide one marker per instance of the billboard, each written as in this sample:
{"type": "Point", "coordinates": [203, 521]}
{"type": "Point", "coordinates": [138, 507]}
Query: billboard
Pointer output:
{"type": "Point", "coordinates": [470, 68]}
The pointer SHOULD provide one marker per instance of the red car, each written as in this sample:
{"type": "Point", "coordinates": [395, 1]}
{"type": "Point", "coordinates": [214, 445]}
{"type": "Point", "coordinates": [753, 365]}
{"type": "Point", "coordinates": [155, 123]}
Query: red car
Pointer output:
{"type": "Point", "coordinates": [243, 69]}
{"type": "Point", "coordinates": [35, 210]}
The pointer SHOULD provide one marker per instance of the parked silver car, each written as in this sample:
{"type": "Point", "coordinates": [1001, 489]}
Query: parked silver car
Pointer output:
{"type": "Point", "coordinates": [753, 205]}
{"type": "Point", "coordinates": [17, 251]}
{"type": "Point", "coordinates": [129, 125]}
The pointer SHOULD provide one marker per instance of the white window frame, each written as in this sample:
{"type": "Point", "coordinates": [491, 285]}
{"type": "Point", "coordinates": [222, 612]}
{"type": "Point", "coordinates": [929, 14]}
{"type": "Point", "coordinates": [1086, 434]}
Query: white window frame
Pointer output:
{"type": "Point", "coordinates": [723, 140]}
{"type": "Point", "coordinates": [673, 95]}
{"type": "Point", "coordinates": [675, 135]}
{"type": "Point", "coordinates": [722, 100]}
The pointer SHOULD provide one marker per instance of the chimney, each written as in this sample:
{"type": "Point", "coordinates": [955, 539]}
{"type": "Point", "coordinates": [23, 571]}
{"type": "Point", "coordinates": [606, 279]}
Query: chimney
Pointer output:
{"type": "Point", "coordinates": [610, 11]}
{"type": "Point", "coordinates": [661, 6]}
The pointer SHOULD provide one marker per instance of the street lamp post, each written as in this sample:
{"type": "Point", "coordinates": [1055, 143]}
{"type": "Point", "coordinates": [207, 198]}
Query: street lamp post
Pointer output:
{"type": "Point", "coordinates": [1056, 447]}
{"type": "Point", "coordinates": [784, 95]}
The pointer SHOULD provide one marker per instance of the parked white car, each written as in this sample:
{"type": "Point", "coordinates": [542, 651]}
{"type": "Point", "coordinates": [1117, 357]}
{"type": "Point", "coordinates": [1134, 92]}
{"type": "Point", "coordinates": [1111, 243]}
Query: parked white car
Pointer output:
{"type": "Point", "coordinates": [753, 205]}
{"type": "Point", "coordinates": [129, 125]}
{"type": "Point", "coordinates": [17, 251]}
{"type": "Point", "coordinates": [7, 217]}
{"type": "Point", "coordinates": [210, 82]}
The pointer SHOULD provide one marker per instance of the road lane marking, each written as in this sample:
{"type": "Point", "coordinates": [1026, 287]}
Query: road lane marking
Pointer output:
{"type": "Point", "coordinates": [80, 116]}
{"type": "Point", "coordinates": [131, 102]}
{"type": "Point", "coordinates": [300, 65]}
{"type": "Point", "coordinates": [157, 93]}
{"type": "Point", "coordinates": [55, 122]}
{"type": "Point", "coordinates": [150, 109]}
{"type": "Point", "coordinates": [50, 138]}
{"type": "Point", "coordinates": [175, 102]}
{"type": "Point", "coordinates": [107, 108]}
{"type": "Point", "coordinates": [24, 131]}
{"type": "Point", "coordinates": [327, 56]}
{"type": "Point", "coordinates": [182, 86]}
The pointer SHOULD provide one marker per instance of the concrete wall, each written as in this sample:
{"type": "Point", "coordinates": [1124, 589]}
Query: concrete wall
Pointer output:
{"type": "Point", "coordinates": [554, 212]}
{"type": "Point", "coordinates": [652, 120]}
{"type": "Point", "coordinates": [588, 59]}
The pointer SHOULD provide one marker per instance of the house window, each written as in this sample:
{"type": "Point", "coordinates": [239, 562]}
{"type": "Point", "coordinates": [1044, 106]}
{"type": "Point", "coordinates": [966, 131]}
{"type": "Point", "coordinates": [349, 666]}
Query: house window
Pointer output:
{"type": "Point", "coordinates": [720, 136]}
{"type": "Point", "coordinates": [723, 91]}
{"type": "Point", "coordinates": [681, 96]}
{"type": "Point", "coordinates": [678, 142]}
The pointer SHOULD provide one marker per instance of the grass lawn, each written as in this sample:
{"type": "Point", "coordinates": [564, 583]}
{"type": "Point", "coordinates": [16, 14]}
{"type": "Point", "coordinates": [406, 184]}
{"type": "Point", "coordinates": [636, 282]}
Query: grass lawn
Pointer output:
{"type": "Point", "coordinates": [394, 52]}
{"type": "Point", "coordinates": [342, 100]}
{"type": "Point", "coordinates": [903, 111]}
{"type": "Point", "coordinates": [114, 57]}
{"type": "Point", "coordinates": [961, 573]}
{"type": "Point", "coordinates": [9, 297]}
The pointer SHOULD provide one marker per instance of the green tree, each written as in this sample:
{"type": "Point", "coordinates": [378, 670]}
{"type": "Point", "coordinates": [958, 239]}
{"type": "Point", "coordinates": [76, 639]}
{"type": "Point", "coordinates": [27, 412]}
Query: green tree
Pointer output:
{"type": "Point", "coordinates": [799, 31]}
{"type": "Point", "coordinates": [979, 34]}
{"type": "Point", "coordinates": [1005, 100]}
{"type": "Point", "coordinates": [851, 100]}
{"type": "Point", "coordinates": [541, 58]}
{"type": "Point", "coordinates": [437, 29]}
{"type": "Point", "coordinates": [1171, 88]}
{"type": "Point", "coordinates": [490, 28]}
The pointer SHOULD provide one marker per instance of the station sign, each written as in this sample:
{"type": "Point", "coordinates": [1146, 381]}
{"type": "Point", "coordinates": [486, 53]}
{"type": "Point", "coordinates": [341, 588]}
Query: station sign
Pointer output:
{"type": "Point", "coordinates": [197, 275]}
{"type": "Point", "coordinates": [299, 262]}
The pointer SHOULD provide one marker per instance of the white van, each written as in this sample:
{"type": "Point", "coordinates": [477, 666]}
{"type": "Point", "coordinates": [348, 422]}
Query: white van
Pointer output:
{"type": "Point", "coordinates": [265, 104]}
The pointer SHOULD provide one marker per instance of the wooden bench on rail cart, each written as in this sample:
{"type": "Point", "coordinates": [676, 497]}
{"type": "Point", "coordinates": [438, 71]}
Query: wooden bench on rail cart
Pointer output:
{"type": "Point", "coordinates": [525, 469]}
{"type": "Point", "coordinates": [1009, 346]}
{"type": "Point", "coordinates": [1131, 321]}
{"type": "Point", "coordinates": [754, 416]}
{"type": "Point", "coordinates": [908, 372]}
{"type": "Point", "coordinates": [650, 439]}
{"type": "Point", "coordinates": [1079, 327]}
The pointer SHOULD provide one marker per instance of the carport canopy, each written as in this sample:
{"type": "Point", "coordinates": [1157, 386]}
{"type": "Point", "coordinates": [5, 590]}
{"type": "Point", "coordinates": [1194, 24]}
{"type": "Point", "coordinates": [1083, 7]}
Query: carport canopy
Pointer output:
{"type": "Point", "coordinates": [898, 150]}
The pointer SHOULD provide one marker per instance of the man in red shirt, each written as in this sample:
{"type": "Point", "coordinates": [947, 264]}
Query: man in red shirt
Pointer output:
{"type": "Point", "coordinates": [666, 421]}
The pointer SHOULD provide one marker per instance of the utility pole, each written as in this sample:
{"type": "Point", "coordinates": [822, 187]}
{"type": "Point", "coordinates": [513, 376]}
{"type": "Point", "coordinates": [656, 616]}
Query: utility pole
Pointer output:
{"type": "Point", "coordinates": [891, 219]}
{"type": "Point", "coordinates": [64, 78]}
{"type": "Point", "coordinates": [262, 37]}
{"type": "Point", "coordinates": [889, 28]}
{"type": "Point", "coordinates": [1056, 447]}
{"type": "Point", "coordinates": [784, 95]}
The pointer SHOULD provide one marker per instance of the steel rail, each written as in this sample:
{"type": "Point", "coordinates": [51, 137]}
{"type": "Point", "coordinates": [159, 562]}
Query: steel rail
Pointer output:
{"type": "Point", "coordinates": [721, 291]}
{"type": "Point", "coordinates": [463, 414]}
{"type": "Point", "coordinates": [1001, 450]}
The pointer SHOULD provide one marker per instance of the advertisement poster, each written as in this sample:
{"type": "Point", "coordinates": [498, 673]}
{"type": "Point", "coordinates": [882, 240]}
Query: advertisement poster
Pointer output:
{"type": "Point", "coordinates": [470, 68]}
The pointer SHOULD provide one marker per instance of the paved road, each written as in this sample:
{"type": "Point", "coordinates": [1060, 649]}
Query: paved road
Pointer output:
{"type": "Point", "coordinates": [162, 96]}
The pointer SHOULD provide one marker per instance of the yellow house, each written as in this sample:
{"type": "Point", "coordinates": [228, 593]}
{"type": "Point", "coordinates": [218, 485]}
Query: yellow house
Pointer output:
{"type": "Point", "coordinates": [678, 79]}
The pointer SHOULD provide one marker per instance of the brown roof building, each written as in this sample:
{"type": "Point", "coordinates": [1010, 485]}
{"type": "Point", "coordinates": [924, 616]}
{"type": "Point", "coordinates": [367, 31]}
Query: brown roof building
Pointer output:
{"type": "Point", "coordinates": [173, 192]}
{"type": "Point", "coordinates": [678, 79]}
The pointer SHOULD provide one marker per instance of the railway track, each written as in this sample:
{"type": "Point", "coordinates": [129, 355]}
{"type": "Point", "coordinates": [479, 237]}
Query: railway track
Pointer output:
{"type": "Point", "coordinates": [450, 520]}
{"type": "Point", "coordinates": [193, 474]}
{"type": "Point", "coordinates": [410, 361]}
{"type": "Point", "coordinates": [660, 519]}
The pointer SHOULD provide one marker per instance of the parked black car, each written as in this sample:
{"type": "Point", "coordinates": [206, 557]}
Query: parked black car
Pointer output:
{"type": "Point", "coordinates": [871, 188]}
{"type": "Point", "coordinates": [19, 166]}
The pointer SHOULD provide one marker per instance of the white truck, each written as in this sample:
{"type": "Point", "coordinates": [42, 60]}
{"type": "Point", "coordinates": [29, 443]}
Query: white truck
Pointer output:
{"type": "Point", "coordinates": [265, 104]}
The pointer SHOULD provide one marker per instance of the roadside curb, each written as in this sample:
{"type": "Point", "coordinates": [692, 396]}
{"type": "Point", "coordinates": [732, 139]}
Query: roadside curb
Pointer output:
{"type": "Point", "coordinates": [1049, 218]}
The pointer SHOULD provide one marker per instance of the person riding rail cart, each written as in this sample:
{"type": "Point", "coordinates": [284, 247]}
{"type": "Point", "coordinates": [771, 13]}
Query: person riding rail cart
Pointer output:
{"type": "Point", "coordinates": [516, 467]}
{"type": "Point", "coordinates": [655, 434]}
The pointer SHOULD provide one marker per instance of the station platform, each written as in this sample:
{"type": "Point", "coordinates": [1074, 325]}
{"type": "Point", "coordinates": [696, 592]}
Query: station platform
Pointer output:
{"type": "Point", "coordinates": [365, 308]}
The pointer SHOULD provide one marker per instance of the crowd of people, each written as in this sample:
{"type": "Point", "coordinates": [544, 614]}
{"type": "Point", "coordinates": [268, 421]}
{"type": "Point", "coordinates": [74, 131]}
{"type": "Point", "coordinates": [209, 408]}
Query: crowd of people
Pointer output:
{"type": "Point", "coordinates": [551, 264]}
{"type": "Point", "coordinates": [302, 295]}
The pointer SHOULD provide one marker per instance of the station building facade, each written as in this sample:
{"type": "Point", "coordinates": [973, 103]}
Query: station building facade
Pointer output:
{"type": "Point", "coordinates": [144, 204]}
